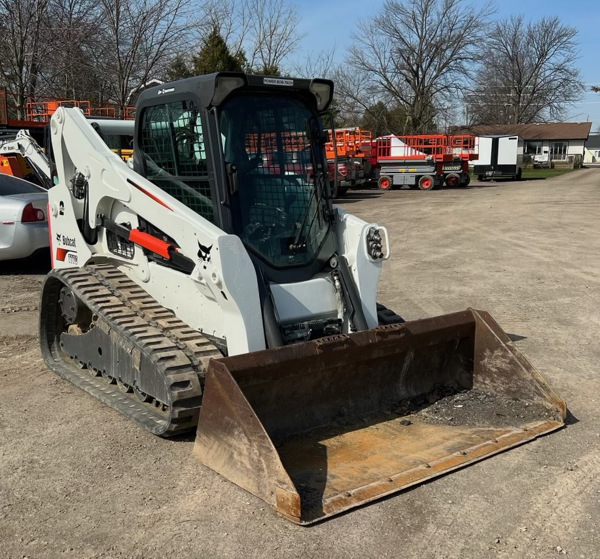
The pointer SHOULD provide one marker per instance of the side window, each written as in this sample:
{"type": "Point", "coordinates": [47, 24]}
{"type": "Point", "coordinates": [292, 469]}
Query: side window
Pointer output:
{"type": "Point", "coordinates": [156, 142]}
{"type": "Point", "coordinates": [189, 143]}
{"type": "Point", "coordinates": [175, 156]}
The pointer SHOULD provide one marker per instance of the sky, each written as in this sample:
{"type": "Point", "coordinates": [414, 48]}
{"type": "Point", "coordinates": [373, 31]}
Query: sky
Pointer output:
{"type": "Point", "coordinates": [329, 24]}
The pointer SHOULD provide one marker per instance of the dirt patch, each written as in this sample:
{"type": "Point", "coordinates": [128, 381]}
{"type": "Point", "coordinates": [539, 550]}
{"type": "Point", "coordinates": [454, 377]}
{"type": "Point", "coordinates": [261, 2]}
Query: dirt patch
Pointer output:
{"type": "Point", "coordinates": [480, 409]}
{"type": "Point", "coordinates": [78, 480]}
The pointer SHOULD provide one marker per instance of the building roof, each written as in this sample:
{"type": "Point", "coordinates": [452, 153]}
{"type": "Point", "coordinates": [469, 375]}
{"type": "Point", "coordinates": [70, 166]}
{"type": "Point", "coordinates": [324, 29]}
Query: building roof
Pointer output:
{"type": "Point", "coordinates": [536, 131]}
{"type": "Point", "coordinates": [593, 142]}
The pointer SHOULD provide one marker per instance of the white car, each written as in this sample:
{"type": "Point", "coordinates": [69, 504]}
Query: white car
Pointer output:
{"type": "Point", "coordinates": [23, 219]}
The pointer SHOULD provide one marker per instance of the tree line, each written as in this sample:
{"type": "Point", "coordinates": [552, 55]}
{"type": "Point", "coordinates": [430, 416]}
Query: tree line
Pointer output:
{"type": "Point", "coordinates": [416, 66]}
{"type": "Point", "coordinates": [106, 50]}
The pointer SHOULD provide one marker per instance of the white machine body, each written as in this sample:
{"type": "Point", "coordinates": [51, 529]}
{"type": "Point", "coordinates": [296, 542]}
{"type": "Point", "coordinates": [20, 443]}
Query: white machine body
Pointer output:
{"type": "Point", "coordinates": [220, 296]}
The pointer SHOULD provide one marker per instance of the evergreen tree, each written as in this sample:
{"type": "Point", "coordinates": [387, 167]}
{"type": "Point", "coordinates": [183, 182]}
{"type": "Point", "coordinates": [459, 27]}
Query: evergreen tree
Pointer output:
{"type": "Point", "coordinates": [268, 70]}
{"type": "Point", "coordinates": [179, 69]}
{"type": "Point", "coordinates": [216, 57]}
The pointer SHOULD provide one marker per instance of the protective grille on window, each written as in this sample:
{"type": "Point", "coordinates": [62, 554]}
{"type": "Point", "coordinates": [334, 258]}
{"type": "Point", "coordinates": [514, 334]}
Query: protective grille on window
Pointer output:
{"type": "Point", "coordinates": [279, 147]}
{"type": "Point", "coordinates": [175, 154]}
{"type": "Point", "coordinates": [278, 196]}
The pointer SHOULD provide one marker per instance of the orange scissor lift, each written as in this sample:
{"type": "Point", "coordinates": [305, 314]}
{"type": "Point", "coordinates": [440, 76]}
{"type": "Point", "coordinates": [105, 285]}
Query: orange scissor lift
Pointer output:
{"type": "Point", "coordinates": [348, 143]}
{"type": "Point", "coordinates": [349, 152]}
{"type": "Point", "coordinates": [33, 113]}
{"type": "Point", "coordinates": [41, 111]}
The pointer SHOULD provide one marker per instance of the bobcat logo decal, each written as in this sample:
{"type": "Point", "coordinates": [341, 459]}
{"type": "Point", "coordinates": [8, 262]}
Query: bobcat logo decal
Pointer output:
{"type": "Point", "coordinates": [204, 252]}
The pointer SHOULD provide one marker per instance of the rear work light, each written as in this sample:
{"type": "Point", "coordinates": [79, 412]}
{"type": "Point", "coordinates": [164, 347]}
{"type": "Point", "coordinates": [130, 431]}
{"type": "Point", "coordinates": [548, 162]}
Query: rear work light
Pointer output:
{"type": "Point", "coordinates": [31, 214]}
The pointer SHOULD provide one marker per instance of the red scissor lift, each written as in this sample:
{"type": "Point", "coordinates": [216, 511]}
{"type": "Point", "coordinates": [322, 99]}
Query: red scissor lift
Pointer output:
{"type": "Point", "coordinates": [424, 161]}
{"type": "Point", "coordinates": [464, 149]}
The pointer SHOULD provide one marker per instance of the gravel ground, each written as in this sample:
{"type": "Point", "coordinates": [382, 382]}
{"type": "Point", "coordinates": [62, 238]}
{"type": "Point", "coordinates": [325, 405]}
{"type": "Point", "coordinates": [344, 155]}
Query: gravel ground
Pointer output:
{"type": "Point", "coordinates": [77, 480]}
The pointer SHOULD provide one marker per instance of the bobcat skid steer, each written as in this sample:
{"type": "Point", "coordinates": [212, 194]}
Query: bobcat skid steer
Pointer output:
{"type": "Point", "coordinates": [214, 287]}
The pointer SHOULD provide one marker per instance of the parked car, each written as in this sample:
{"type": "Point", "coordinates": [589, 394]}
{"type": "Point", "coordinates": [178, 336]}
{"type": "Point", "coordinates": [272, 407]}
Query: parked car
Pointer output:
{"type": "Point", "coordinates": [23, 220]}
{"type": "Point", "coordinates": [542, 161]}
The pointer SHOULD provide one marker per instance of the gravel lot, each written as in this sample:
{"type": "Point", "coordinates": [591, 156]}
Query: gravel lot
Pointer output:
{"type": "Point", "coordinates": [78, 480]}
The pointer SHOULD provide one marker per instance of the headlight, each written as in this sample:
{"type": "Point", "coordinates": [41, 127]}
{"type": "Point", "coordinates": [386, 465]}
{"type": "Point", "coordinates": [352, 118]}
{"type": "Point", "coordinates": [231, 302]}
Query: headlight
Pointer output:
{"type": "Point", "coordinates": [374, 244]}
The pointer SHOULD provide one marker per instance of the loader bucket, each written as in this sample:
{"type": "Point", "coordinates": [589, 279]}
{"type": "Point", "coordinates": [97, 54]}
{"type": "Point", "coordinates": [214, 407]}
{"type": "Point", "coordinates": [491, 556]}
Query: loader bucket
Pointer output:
{"type": "Point", "coordinates": [320, 427]}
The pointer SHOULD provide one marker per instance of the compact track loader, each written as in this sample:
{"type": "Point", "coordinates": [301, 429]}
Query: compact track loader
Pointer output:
{"type": "Point", "coordinates": [214, 287]}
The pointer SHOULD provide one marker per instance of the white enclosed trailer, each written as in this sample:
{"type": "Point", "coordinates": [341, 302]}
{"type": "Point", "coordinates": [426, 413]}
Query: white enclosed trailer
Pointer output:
{"type": "Point", "coordinates": [498, 157]}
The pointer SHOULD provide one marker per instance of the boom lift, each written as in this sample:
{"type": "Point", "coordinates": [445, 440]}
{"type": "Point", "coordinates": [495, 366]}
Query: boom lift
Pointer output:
{"type": "Point", "coordinates": [208, 289]}
{"type": "Point", "coordinates": [22, 157]}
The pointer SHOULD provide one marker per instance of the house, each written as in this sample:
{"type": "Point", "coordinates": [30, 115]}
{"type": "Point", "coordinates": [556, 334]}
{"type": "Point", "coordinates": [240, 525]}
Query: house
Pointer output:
{"type": "Point", "coordinates": [554, 140]}
{"type": "Point", "coordinates": [592, 149]}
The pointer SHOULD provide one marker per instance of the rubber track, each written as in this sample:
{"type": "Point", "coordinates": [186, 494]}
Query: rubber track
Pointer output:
{"type": "Point", "coordinates": [179, 353]}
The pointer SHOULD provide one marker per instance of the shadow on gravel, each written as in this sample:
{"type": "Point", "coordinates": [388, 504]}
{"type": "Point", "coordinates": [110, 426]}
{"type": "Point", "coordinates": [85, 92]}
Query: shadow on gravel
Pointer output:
{"type": "Point", "coordinates": [188, 437]}
{"type": "Point", "coordinates": [37, 263]}
{"type": "Point", "coordinates": [357, 196]}
{"type": "Point", "coordinates": [511, 181]}
{"type": "Point", "coordinates": [516, 337]}
{"type": "Point", "coordinates": [536, 179]}
{"type": "Point", "coordinates": [570, 419]}
{"type": "Point", "coordinates": [485, 184]}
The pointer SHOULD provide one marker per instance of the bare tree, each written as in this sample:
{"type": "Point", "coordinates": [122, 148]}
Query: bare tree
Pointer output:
{"type": "Point", "coordinates": [529, 73]}
{"type": "Point", "coordinates": [265, 31]}
{"type": "Point", "coordinates": [317, 64]}
{"type": "Point", "coordinates": [418, 54]}
{"type": "Point", "coordinates": [231, 18]}
{"type": "Point", "coordinates": [355, 93]}
{"type": "Point", "coordinates": [22, 47]}
{"type": "Point", "coordinates": [273, 34]}
{"type": "Point", "coordinates": [72, 38]}
{"type": "Point", "coordinates": [358, 103]}
{"type": "Point", "coordinates": [140, 38]}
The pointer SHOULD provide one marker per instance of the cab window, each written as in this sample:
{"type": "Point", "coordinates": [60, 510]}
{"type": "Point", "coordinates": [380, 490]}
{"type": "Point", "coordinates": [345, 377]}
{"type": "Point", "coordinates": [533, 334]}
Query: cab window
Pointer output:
{"type": "Point", "coordinates": [174, 154]}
